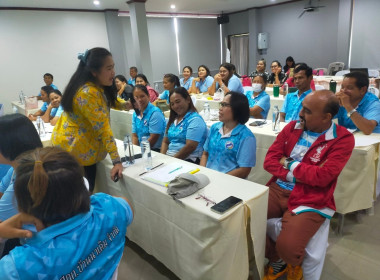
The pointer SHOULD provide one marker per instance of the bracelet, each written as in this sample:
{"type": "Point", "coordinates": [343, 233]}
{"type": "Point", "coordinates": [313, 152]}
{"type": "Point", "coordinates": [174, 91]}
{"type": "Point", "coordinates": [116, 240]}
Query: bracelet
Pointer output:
{"type": "Point", "coordinates": [116, 162]}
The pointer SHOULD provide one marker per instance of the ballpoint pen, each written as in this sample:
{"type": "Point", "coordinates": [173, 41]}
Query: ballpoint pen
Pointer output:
{"type": "Point", "coordinates": [158, 165]}
{"type": "Point", "coordinates": [175, 169]}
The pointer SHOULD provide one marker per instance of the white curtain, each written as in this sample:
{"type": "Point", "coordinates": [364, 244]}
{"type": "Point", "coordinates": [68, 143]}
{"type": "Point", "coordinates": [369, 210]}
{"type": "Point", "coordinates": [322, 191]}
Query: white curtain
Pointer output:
{"type": "Point", "coordinates": [239, 53]}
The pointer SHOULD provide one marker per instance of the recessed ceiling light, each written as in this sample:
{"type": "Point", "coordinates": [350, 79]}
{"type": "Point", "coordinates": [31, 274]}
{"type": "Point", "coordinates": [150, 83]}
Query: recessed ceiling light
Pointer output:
{"type": "Point", "coordinates": [172, 6]}
{"type": "Point", "coordinates": [96, 2]}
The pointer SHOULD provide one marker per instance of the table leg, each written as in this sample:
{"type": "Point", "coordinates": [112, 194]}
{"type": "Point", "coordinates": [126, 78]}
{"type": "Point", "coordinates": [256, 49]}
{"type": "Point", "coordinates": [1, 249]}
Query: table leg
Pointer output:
{"type": "Point", "coordinates": [339, 230]}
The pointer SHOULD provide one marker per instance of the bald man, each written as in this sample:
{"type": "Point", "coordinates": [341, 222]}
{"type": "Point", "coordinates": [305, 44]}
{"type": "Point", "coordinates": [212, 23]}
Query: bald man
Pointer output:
{"type": "Point", "coordinates": [305, 161]}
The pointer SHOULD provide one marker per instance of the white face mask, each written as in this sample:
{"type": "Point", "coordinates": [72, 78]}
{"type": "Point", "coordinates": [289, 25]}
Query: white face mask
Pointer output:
{"type": "Point", "coordinates": [256, 87]}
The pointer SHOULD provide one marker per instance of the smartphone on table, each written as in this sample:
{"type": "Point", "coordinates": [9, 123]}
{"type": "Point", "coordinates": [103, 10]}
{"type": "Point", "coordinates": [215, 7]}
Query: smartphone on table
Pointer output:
{"type": "Point", "coordinates": [226, 204]}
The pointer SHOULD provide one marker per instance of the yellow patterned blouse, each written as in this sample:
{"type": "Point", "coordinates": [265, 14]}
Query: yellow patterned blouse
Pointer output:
{"type": "Point", "coordinates": [86, 132]}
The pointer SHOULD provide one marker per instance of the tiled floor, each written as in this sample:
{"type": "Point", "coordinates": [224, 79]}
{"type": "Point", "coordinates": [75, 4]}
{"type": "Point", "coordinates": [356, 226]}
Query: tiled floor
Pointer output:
{"type": "Point", "coordinates": [354, 256]}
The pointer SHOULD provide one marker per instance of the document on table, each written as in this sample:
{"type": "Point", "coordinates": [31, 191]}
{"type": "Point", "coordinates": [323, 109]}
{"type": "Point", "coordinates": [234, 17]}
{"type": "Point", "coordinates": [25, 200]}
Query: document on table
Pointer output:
{"type": "Point", "coordinates": [362, 141]}
{"type": "Point", "coordinates": [162, 176]}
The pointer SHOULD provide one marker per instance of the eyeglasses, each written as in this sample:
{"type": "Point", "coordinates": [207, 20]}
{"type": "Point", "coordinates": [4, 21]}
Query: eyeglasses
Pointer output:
{"type": "Point", "coordinates": [224, 104]}
{"type": "Point", "coordinates": [208, 200]}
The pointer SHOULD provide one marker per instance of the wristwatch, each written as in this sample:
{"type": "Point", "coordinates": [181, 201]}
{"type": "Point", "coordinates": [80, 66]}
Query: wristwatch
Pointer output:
{"type": "Point", "coordinates": [287, 162]}
{"type": "Point", "coordinates": [349, 114]}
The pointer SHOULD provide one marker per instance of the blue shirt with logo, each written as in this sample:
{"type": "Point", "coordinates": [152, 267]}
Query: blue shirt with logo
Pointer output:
{"type": "Point", "coordinates": [293, 105]}
{"type": "Point", "coordinates": [262, 100]}
{"type": "Point", "coordinates": [86, 246]}
{"type": "Point", "coordinates": [205, 84]}
{"type": "Point", "coordinates": [187, 84]}
{"type": "Point", "coordinates": [230, 151]}
{"type": "Point", "coordinates": [44, 106]}
{"type": "Point", "coordinates": [152, 122]}
{"type": "Point", "coordinates": [234, 84]}
{"type": "Point", "coordinates": [191, 127]}
{"type": "Point", "coordinates": [369, 108]}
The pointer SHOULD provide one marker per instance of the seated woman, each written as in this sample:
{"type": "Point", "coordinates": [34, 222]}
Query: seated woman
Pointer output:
{"type": "Point", "coordinates": [142, 80]}
{"type": "Point", "coordinates": [124, 90]}
{"type": "Point", "coordinates": [186, 131]}
{"type": "Point", "coordinates": [230, 146]}
{"type": "Point", "coordinates": [149, 121]}
{"type": "Point", "coordinates": [170, 82]}
{"type": "Point", "coordinates": [45, 91]}
{"type": "Point", "coordinates": [78, 235]}
{"type": "Point", "coordinates": [187, 79]}
{"type": "Point", "coordinates": [289, 63]}
{"type": "Point", "coordinates": [203, 81]}
{"type": "Point", "coordinates": [258, 99]}
{"type": "Point", "coordinates": [54, 110]}
{"type": "Point", "coordinates": [260, 68]}
{"type": "Point", "coordinates": [226, 80]}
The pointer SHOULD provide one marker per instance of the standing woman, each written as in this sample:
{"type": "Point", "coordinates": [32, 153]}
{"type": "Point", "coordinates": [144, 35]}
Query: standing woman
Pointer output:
{"type": "Point", "coordinates": [258, 99]}
{"type": "Point", "coordinates": [147, 120]}
{"type": "Point", "coordinates": [230, 146]}
{"type": "Point", "coordinates": [203, 81]}
{"type": "Point", "coordinates": [187, 79]}
{"type": "Point", "coordinates": [170, 82]}
{"type": "Point", "coordinates": [186, 130]}
{"type": "Point", "coordinates": [226, 80]}
{"type": "Point", "coordinates": [84, 128]}
{"type": "Point", "coordinates": [142, 80]}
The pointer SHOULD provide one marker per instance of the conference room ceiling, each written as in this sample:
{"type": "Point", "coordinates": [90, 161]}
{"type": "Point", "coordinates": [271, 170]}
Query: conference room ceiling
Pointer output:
{"type": "Point", "coordinates": [161, 6]}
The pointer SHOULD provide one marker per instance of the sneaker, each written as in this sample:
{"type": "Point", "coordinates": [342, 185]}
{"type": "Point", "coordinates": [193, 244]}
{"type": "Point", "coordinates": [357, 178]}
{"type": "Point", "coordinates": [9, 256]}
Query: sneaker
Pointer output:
{"type": "Point", "coordinates": [269, 275]}
{"type": "Point", "coordinates": [294, 272]}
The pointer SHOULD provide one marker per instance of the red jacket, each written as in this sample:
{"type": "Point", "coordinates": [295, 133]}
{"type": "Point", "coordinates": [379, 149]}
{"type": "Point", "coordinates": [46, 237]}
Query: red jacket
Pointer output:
{"type": "Point", "coordinates": [319, 168]}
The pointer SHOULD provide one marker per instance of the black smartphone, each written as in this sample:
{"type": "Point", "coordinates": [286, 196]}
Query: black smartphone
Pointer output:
{"type": "Point", "coordinates": [136, 157]}
{"type": "Point", "coordinates": [226, 204]}
{"type": "Point", "coordinates": [257, 123]}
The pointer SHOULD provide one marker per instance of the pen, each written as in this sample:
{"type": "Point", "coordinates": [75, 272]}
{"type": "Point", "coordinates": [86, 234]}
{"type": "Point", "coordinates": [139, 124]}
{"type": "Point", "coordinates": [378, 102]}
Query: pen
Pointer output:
{"type": "Point", "coordinates": [175, 169]}
{"type": "Point", "coordinates": [152, 168]}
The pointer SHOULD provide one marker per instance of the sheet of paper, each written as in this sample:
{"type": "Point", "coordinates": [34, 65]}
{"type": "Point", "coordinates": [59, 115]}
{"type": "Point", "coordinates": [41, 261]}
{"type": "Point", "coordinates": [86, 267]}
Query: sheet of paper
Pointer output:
{"type": "Point", "coordinates": [166, 173]}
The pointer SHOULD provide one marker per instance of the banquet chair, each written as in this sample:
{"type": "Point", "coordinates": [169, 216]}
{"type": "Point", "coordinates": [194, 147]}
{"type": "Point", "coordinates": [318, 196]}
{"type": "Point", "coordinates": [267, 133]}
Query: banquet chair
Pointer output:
{"type": "Point", "coordinates": [334, 67]}
{"type": "Point", "coordinates": [315, 250]}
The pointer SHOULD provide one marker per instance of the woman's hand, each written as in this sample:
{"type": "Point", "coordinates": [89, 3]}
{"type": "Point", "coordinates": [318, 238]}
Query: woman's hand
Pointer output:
{"type": "Point", "coordinates": [117, 170]}
{"type": "Point", "coordinates": [11, 228]}
{"type": "Point", "coordinates": [218, 79]}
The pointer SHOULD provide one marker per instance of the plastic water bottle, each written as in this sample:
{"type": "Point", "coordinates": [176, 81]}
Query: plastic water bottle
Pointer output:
{"type": "Point", "coordinates": [156, 87]}
{"type": "Point", "coordinates": [21, 96]}
{"type": "Point", "coordinates": [128, 151]}
{"type": "Point", "coordinates": [276, 118]}
{"type": "Point", "coordinates": [206, 111]}
{"type": "Point", "coordinates": [40, 127]}
{"type": "Point", "coordinates": [146, 153]}
{"type": "Point", "coordinates": [286, 88]}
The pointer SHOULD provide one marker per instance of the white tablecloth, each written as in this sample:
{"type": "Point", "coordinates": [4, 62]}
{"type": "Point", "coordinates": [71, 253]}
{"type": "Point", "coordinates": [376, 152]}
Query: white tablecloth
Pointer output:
{"type": "Point", "coordinates": [20, 108]}
{"type": "Point", "coordinates": [190, 239]}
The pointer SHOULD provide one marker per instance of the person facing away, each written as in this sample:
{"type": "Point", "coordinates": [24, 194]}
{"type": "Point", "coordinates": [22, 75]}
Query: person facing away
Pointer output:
{"type": "Point", "coordinates": [305, 160]}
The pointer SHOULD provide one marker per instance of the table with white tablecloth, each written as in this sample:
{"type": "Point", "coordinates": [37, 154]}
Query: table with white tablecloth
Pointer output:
{"type": "Point", "coordinates": [17, 107]}
{"type": "Point", "coordinates": [190, 239]}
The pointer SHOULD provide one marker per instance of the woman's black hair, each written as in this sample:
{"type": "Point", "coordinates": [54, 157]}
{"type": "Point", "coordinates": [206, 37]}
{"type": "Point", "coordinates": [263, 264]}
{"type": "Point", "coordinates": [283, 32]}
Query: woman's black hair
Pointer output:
{"type": "Point", "coordinates": [172, 79]}
{"type": "Point", "coordinates": [121, 78]}
{"type": "Point", "coordinates": [142, 76]}
{"type": "Point", "coordinates": [231, 70]}
{"type": "Point", "coordinates": [185, 95]}
{"type": "Point", "coordinates": [91, 62]}
{"type": "Point", "coordinates": [188, 67]}
{"type": "Point", "coordinates": [56, 91]}
{"type": "Point", "coordinates": [50, 186]}
{"type": "Point", "coordinates": [47, 89]}
{"type": "Point", "coordinates": [286, 67]}
{"type": "Point", "coordinates": [143, 88]}
{"type": "Point", "coordinates": [18, 135]}
{"type": "Point", "coordinates": [208, 73]}
{"type": "Point", "coordinates": [239, 106]}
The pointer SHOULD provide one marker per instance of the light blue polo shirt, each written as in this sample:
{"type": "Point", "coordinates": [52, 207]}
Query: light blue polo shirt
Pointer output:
{"type": "Point", "coordinates": [369, 108]}
{"type": "Point", "coordinates": [191, 127]}
{"type": "Point", "coordinates": [152, 122]}
{"type": "Point", "coordinates": [165, 96]}
{"type": "Point", "coordinates": [131, 81]}
{"type": "Point", "coordinates": [293, 105]}
{"type": "Point", "coordinates": [205, 84]}
{"type": "Point", "coordinates": [4, 168]}
{"type": "Point", "coordinates": [230, 151]}
{"type": "Point", "coordinates": [187, 84]}
{"type": "Point", "coordinates": [56, 112]}
{"type": "Point", "coordinates": [44, 106]}
{"type": "Point", "coordinates": [6, 179]}
{"type": "Point", "coordinates": [234, 84]}
{"type": "Point", "coordinates": [8, 203]}
{"type": "Point", "coordinates": [262, 100]}
{"type": "Point", "coordinates": [86, 246]}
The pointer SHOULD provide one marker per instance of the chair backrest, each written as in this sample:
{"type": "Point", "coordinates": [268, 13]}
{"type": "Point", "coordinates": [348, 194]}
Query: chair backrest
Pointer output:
{"type": "Point", "coordinates": [373, 73]}
{"type": "Point", "coordinates": [335, 67]}
{"type": "Point", "coordinates": [342, 72]}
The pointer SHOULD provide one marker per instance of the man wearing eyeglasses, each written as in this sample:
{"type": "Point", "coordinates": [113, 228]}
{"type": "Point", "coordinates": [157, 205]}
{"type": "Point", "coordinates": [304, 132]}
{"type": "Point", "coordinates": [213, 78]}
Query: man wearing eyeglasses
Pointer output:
{"type": "Point", "coordinates": [305, 160]}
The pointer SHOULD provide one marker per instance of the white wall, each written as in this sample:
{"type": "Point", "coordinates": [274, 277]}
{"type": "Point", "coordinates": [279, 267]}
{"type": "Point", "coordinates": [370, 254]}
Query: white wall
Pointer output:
{"type": "Point", "coordinates": [36, 42]}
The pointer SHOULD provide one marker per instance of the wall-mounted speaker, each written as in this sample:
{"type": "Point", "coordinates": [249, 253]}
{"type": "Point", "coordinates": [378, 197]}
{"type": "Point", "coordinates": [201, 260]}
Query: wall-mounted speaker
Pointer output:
{"type": "Point", "coordinates": [262, 41]}
{"type": "Point", "coordinates": [223, 19]}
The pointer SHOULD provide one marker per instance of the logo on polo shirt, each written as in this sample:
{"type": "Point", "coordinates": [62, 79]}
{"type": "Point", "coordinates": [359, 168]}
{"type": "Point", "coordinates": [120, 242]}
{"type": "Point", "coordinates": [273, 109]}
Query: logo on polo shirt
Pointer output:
{"type": "Point", "coordinates": [229, 145]}
{"type": "Point", "coordinates": [145, 122]}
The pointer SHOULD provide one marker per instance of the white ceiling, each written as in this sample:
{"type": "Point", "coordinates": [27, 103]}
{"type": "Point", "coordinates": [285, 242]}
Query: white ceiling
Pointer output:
{"type": "Point", "coordinates": [182, 6]}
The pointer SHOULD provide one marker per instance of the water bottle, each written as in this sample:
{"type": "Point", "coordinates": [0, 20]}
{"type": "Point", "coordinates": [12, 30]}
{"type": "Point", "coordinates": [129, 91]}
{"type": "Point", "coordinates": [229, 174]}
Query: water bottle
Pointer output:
{"type": "Point", "coordinates": [206, 111]}
{"type": "Point", "coordinates": [286, 88]}
{"type": "Point", "coordinates": [128, 151]}
{"type": "Point", "coordinates": [21, 96]}
{"type": "Point", "coordinates": [146, 153]}
{"type": "Point", "coordinates": [40, 127]}
{"type": "Point", "coordinates": [276, 118]}
{"type": "Point", "coordinates": [156, 87]}
{"type": "Point", "coordinates": [14, 109]}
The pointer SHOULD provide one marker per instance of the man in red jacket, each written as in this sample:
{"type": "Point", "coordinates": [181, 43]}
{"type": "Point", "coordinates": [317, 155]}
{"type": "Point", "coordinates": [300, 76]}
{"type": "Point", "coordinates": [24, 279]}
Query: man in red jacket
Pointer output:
{"type": "Point", "coordinates": [305, 161]}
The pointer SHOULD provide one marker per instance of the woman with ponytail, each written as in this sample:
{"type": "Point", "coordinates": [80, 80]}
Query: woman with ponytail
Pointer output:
{"type": "Point", "coordinates": [84, 128]}
{"type": "Point", "coordinates": [78, 235]}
